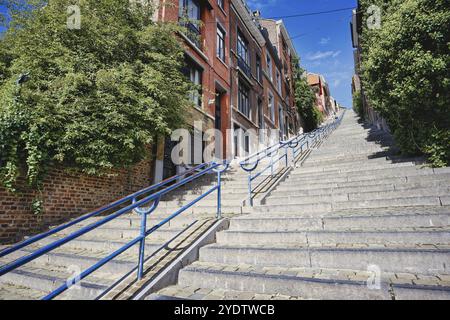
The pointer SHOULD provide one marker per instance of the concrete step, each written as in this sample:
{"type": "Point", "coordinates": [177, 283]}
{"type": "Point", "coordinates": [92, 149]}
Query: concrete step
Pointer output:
{"type": "Point", "coordinates": [99, 245]}
{"type": "Point", "coordinates": [309, 283]}
{"type": "Point", "coordinates": [15, 292]}
{"type": "Point", "coordinates": [337, 151]}
{"type": "Point", "coordinates": [355, 156]}
{"type": "Point", "coordinates": [418, 181]}
{"type": "Point", "coordinates": [63, 257]}
{"type": "Point", "coordinates": [336, 206]}
{"type": "Point", "coordinates": [311, 162]}
{"type": "Point", "coordinates": [196, 293]}
{"type": "Point", "coordinates": [47, 280]}
{"type": "Point", "coordinates": [302, 173]}
{"type": "Point", "coordinates": [397, 184]}
{"type": "Point", "coordinates": [359, 196]}
{"type": "Point", "coordinates": [412, 171]}
{"type": "Point", "coordinates": [406, 236]}
{"type": "Point", "coordinates": [418, 259]}
{"type": "Point", "coordinates": [190, 197]}
{"type": "Point", "coordinates": [348, 167]}
{"type": "Point", "coordinates": [354, 222]}
{"type": "Point", "coordinates": [110, 233]}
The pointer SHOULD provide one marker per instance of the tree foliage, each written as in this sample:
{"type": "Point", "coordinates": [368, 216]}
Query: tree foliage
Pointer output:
{"type": "Point", "coordinates": [406, 73]}
{"type": "Point", "coordinates": [95, 97]}
{"type": "Point", "coordinates": [358, 104]}
{"type": "Point", "coordinates": [305, 100]}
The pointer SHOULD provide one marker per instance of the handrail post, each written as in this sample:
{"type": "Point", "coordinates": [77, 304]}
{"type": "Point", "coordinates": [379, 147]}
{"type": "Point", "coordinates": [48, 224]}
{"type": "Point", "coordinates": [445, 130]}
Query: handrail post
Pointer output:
{"type": "Point", "coordinates": [271, 163]}
{"type": "Point", "coordinates": [250, 199]}
{"type": "Point", "coordinates": [219, 190]}
{"type": "Point", "coordinates": [286, 155]}
{"type": "Point", "coordinates": [142, 246]}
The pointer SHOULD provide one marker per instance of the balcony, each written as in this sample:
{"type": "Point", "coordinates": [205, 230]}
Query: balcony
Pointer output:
{"type": "Point", "coordinates": [242, 64]}
{"type": "Point", "coordinates": [192, 33]}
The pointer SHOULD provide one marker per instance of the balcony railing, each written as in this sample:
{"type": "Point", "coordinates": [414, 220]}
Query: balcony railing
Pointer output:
{"type": "Point", "coordinates": [192, 32]}
{"type": "Point", "coordinates": [243, 65]}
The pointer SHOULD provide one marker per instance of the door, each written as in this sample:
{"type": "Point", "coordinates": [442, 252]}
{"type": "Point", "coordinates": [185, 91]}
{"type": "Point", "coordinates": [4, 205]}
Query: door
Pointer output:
{"type": "Point", "coordinates": [169, 168]}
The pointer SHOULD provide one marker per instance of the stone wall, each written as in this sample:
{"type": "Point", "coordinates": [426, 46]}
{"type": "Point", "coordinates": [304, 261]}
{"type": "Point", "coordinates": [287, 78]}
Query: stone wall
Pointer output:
{"type": "Point", "coordinates": [65, 195]}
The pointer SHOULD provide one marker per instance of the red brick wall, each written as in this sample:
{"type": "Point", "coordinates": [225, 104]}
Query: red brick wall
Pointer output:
{"type": "Point", "coordinates": [65, 196]}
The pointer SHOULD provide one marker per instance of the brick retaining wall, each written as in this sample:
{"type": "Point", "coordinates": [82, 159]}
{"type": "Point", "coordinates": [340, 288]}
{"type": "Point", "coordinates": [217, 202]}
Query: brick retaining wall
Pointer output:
{"type": "Point", "coordinates": [65, 196]}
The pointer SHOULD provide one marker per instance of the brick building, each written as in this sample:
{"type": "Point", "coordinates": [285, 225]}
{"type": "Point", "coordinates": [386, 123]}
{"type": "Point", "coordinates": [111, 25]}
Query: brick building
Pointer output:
{"type": "Point", "coordinates": [243, 64]}
{"type": "Point", "coordinates": [322, 91]}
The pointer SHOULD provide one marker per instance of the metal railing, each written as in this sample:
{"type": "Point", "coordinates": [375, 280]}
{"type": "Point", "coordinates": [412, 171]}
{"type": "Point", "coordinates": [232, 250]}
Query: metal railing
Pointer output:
{"type": "Point", "coordinates": [299, 146]}
{"type": "Point", "coordinates": [243, 65]}
{"type": "Point", "coordinates": [136, 201]}
{"type": "Point", "coordinates": [305, 141]}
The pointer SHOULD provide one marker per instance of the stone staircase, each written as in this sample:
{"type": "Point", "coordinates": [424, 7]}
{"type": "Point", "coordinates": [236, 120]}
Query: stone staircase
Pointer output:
{"type": "Point", "coordinates": [351, 222]}
{"type": "Point", "coordinates": [43, 275]}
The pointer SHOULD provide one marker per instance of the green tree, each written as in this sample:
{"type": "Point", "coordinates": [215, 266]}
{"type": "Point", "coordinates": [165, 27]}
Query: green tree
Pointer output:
{"type": "Point", "coordinates": [406, 73]}
{"type": "Point", "coordinates": [96, 96]}
{"type": "Point", "coordinates": [305, 99]}
{"type": "Point", "coordinates": [358, 104]}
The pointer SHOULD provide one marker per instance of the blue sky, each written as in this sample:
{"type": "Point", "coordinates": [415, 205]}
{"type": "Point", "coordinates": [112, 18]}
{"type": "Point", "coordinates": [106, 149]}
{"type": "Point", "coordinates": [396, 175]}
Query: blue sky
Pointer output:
{"type": "Point", "coordinates": [325, 44]}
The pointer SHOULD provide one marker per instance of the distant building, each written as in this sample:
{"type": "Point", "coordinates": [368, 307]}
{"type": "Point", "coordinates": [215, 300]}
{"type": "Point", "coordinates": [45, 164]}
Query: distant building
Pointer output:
{"type": "Point", "coordinates": [322, 90]}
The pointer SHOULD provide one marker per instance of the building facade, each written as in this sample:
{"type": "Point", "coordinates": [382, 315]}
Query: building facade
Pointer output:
{"type": "Point", "coordinates": [320, 87]}
{"type": "Point", "coordinates": [242, 65]}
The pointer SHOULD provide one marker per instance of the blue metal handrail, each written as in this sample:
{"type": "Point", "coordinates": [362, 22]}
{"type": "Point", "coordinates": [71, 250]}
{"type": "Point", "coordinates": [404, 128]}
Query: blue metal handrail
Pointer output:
{"type": "Point", "coordinates": [252, 162]}
{"type": "Point", "coordinates": [296, 144]}
{"type": "Point", "coordinates": [104, 209]}
{"type": "Point", "coordinates": [137, 206]}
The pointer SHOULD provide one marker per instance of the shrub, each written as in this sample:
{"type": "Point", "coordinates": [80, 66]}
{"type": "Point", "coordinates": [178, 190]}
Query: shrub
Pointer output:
{"type": "Point", "coordinates": [406, 73]}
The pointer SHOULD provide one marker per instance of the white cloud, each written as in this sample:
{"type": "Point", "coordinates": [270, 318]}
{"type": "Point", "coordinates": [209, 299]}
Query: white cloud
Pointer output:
{"type": "Point", "coordinates": [338, 77]}
{"type": "Point", "coordinates": [324, 41]}
{"type": "Point", "coordinates": [322, 55]}
{"type": "Point", "coordinates": [336, 54]}
{"type": "Point", "coordinates": [261, 4]}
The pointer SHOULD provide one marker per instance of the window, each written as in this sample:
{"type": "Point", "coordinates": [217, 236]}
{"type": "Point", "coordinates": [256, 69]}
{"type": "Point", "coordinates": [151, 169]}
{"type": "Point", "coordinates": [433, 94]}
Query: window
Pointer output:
{"type": "Point", "coordinates": [247, 144]}
{"type": "Point", "coordinates": [243, 99]}
{"type": "Point", "coordinates": [279, 81]}
{"type": "Point", "coordinates": [271, 108]}
{"type": "Point", "coordinates": [243, 55]}
{"type": "Point", "coordinates": [189, 12]}
{"type": "Point", "coordinates": [258, 69]}
{"type": "Point", "coordinates": [281, 123]}
{"type": "Point", "coordinates": [269, 68]}
{"type": "Point", "coordinates": [220, 43]}
{"type": "Point", "coordinates": [220, 3]}
{"type": "Point", "coordinates": [189, 9]}
{"type": "Point", "coordinates": [260, 115]}
{"type": "Point", "coordinates": [242, 48]}
{"type": "Point", "coordinates": [194, 73]}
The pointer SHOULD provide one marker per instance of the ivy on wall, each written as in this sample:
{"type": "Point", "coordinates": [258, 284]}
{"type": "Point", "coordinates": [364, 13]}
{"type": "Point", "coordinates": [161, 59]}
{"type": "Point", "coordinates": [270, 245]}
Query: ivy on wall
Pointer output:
{"type": "Point", "coordinates": [89, 98]}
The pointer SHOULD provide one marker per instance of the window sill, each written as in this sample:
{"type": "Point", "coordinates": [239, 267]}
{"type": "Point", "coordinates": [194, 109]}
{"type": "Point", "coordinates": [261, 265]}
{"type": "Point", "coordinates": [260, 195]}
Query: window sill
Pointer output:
{"type": "Point", "coordinates": [193, 46]}
{"type": "Point", "coordinates": [223, 62]}
{"type": "Point", "coordinates": [199, 109]}
{"type": "Point", "coordinates": [250, 81]}
{"type": "Point", "coordinates": [271, 123]}
{"type": "Point", "coordinates": [222, 10]}
{"type": "Point", "coordinates": [245, 117]}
